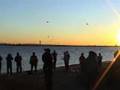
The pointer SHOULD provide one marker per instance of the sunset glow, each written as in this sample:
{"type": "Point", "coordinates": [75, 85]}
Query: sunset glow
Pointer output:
{"type": "Point", "coordinates": [68, 22]}
{"type": "Point", "coordinates": [118, 37]}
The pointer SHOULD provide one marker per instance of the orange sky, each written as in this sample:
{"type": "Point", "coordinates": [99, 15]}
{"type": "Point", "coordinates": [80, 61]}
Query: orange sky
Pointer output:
{"type": "Point", "coordinates": [69, 22]}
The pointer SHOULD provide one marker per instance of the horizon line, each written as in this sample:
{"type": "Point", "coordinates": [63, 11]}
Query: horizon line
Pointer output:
{"type": "Point", "coordinates": [33, 44]}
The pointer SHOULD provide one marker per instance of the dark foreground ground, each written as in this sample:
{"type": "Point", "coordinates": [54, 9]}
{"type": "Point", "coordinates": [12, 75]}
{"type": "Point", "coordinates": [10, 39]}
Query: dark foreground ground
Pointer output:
{"type": "Point", "coordinates": [72, 80]}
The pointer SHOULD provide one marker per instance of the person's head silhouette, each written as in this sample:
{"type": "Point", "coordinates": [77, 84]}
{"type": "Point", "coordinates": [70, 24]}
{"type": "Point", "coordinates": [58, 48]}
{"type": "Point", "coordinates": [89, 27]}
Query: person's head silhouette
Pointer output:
{"type": "Point", "coordinates": [47, 50]}
{"type": "Point", "coordinates": [33, 53]}
{"type": "Point", "coordinates": [17, 53]}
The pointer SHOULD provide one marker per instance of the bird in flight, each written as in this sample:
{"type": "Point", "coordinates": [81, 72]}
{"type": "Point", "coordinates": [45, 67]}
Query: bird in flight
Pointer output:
{"type": "Point", "coordinates": [87, 24]}
{"type": "Point", "coordinates": [47, 21]}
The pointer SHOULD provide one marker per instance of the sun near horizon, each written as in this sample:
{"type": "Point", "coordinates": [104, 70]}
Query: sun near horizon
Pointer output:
{"type": "Point", "coordinates": [61, 22]}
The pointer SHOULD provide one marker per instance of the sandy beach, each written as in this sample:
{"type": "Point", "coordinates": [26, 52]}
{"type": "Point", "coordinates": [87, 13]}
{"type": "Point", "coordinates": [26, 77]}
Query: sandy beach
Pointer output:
{"type": "Point", "coordinates": [72, 80]}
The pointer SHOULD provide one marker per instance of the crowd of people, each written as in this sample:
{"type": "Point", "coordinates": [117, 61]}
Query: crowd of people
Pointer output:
{"type": "Point", "coordinates": [18, 60]}
{"type": "Point", "coordinates": [33, 61]}
{"type": "Point", "coordinates": [93, 61]}
{"type": "Point", "coordinates": [89, 66]}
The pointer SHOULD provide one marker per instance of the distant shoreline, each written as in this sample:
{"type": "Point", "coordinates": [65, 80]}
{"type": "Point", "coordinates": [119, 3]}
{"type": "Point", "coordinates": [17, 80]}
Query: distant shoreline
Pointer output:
{"type": "Point", "coordinates": [51, 45]}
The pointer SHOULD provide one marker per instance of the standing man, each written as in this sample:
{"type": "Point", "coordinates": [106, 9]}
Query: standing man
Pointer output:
{"type": "Point", "coordinates": [54, 54]}
{"type": "Point", "coordinates": [47, 68]}
{"type": "Point", "coordinates": [9, 59]}
{"type": "Point", "coordinates": [66, 60]}
{"type": "Point", "coordinates": [91, 68]}
{"type": "Point", "coordinates": [18, 60]}
{"type": "Point", "coordinates": [0, 62]}
{"type": "Point", "coordinates": [82, 62]}
{"type": "Point", "coordinates": [33, 62]}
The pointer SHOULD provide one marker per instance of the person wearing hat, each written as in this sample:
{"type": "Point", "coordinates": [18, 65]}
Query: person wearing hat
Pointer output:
{"type": "Point", "coordinates": [47, 68]}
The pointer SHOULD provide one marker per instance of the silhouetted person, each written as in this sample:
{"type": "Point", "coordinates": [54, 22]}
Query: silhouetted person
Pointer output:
{"type": "Point", "coordinates": [47, 68]}
{"type": "Point", "coordinates": [0, 63]}
{"type": "Point", "coordinates": [9, 59]}
{"type": "Point", "coordinates": [99, 60]}
{"type": "Point", "coordinates": [91, 68]}
{"type": "Point", "coordinates": [18, 60]}
{"type": "Point", "coordinates": [66, 60]}
{"type": "Point", "coordinates": [82, 62]}
{"type": "Point", "coordinates": [33, 62]}
{"type": "Point", "coordinates": [54, 54]}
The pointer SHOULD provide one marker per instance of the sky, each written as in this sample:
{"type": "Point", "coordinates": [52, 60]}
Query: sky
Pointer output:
{"type": "Point", "coordinates": [68, 22]}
